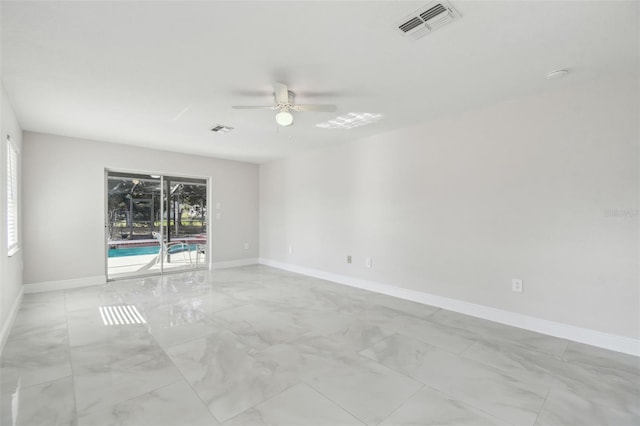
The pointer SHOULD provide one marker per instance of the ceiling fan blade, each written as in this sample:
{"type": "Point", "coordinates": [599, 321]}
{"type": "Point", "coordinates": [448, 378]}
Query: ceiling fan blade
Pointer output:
{"type": "Point", "coordinates": [282, 93]}
{"type": "Point", "coordinates": [328, 108]}
{"type": "Point", "coordinates": [253, 107]}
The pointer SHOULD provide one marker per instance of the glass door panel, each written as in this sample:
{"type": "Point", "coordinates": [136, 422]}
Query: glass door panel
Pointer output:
{"type": "Point", "coordinates": [154, 224]}
{"type": "Point", "coordinates": [134, 204]}
{"type": "Point", "coordinates": [185, 203]}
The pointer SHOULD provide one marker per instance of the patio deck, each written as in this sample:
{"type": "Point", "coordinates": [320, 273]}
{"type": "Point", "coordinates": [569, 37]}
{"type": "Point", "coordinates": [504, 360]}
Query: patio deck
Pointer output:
{"type": "Point", "coordinates": [128, 266]}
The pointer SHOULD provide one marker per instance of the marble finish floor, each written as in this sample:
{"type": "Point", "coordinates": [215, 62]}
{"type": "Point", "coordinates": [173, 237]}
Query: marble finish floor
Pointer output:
{"type": "Point", "coordinates": [260, 346]}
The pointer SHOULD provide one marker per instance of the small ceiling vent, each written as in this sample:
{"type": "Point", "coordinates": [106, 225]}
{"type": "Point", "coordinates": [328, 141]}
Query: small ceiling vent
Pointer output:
{"type": "Point", "coordinates": [220, 129]}
{"type": "Point", "coordinates": [427, 19]}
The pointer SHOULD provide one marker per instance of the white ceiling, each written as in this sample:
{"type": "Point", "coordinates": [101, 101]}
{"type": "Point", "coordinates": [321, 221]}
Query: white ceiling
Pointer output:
{"type": "Point", "coordinates": [160, 74]}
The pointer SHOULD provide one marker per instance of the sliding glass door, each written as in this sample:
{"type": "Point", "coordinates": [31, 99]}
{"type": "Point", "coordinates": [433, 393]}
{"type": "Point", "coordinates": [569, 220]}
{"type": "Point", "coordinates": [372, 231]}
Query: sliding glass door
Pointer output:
{"type": "Point", "coordinates": [185, 230]}
{"type": "Point", "coordinates": [154, 224]}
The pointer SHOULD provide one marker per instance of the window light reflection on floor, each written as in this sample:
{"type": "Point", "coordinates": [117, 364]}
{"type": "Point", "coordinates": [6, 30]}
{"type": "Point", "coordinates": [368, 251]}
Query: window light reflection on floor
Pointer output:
{"type": "Point", "coordinates": [121, 315]}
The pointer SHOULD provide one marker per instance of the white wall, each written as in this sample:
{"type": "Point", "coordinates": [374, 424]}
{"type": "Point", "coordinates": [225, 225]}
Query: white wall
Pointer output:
{"type": "Point", "coordinates": [10, 267]}
{"type": "Point", "coordinates": [64, 202]}
{"type": "Point", "coordinates": [544, 189]}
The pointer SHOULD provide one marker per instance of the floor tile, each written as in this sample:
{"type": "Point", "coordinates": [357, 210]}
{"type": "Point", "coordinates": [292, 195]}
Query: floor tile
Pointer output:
{"type": "Point", "coordinates": [225, 376]}
{"type": "Point", "coordinates": [298, 405]}
{"type": "Point", "coordinates": [172, 405]}
{"type": "Point", "coordinates": [106, 374]}
{"type": "Point", "coordinates": [39, 313]}
{"type": "Point", "coordinates": [593, 357]}
{"type": "Point", "coordinates": [86, 326]}
{"type": "Point", "coordinates": [36, 356]}
{"type": "Point", "coordinates": [365, 389]}
{"type": "Point", "coordinates": [306, 358]}
{"type": "Point", "coordinates": [605, 386]}
{"type": "Point", "coordinates": [46, 404]}
{"type": "Point", "coordinates": [430, 332]}
{"type": "Point", "coordinates": [149, 292]}
{"type": "Point", "coordinates": [91, 297]}
{"type": "Point", "coordinates": [517, 361]}
{"type": "Point", "coordinates": [489, 330]}
{"type": "Point", "coordinates": [403, 306]}
{"type": "Point", "coordinates": [46, 298]}
{"type": "Point", "coordinates": [233, 275]}
{"type": "Point", "coordinates": [261, 326]}
{"type": "Point", "coordinates": [259, 345]}
{"type": "Point", "coordinates": [476, 384]}
{"type": "Point", "coordinates": [332, 297]}
{"type": "Point", "coordinates": [179, 322]}
{"type": "Point", "coordinates": [430, 407]}
{"type": "Point", "coordinates": [349, 336]}
{"type": "Point", "coordinates": [284, 292]}
{"type": "Point", "coordinates": [215, 301]}
{"type": "Point", "coordinates": [564, 407]}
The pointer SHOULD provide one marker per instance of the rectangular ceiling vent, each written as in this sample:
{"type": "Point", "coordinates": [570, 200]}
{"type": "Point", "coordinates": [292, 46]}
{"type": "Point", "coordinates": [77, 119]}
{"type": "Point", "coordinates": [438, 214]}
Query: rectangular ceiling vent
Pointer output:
{"type": "Point", "coordinates": [220, 129]}
{"type": "Point", "coordinates": [427, 19]}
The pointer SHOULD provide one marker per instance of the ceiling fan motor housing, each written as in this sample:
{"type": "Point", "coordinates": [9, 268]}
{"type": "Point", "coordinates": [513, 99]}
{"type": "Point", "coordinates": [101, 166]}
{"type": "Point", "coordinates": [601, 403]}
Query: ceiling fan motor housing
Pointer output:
{"type": "Point", "coordinates": [290, 102]}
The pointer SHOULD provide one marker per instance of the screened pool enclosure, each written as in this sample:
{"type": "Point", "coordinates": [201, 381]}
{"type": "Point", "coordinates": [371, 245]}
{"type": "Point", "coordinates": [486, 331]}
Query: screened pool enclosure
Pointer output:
{"type": "Point", "coordinates": [155, 224]}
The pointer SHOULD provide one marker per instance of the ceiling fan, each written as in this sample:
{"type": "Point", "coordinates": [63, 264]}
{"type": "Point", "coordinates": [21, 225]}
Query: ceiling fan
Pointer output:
{"type": "Point", "coordinates": [285, 104]}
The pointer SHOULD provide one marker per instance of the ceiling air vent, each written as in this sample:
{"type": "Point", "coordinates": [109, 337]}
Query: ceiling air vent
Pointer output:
{"type": "Point", "coordinates": [427, 19]}
{"type": "Point", "coordinates": [411, 24]}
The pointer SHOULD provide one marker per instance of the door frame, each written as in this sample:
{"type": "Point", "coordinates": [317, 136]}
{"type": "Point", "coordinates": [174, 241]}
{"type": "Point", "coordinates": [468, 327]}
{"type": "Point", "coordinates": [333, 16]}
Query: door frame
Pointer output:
{"type": "Point", "coordinates": [209, 192]}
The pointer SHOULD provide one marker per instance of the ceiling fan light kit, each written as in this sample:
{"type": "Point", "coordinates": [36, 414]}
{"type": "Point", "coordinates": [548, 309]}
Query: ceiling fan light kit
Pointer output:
{"type": "Point", "coordinates": [284, 118]}
{"type": "Point", "coordinates": [285, 104]}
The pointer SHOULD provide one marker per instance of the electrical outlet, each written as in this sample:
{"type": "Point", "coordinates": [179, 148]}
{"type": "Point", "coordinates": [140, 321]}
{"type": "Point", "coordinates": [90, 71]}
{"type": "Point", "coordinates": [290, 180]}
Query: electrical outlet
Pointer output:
{"type": "Point", "coordinates": [516, 285]}
{"type": "Point", "coordinates": [367, 262]}
{"type": "Point", "coordinates": [246, 246]}
{"type": "Point", "coordinates": [290, 249]}
{"type": "Point", "coordinates": [348, 259]}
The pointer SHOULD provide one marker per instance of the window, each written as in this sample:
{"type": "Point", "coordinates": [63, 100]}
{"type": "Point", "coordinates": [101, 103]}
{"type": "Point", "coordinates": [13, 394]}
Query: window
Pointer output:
{"type": "Point", "coordinates": [12, 197]}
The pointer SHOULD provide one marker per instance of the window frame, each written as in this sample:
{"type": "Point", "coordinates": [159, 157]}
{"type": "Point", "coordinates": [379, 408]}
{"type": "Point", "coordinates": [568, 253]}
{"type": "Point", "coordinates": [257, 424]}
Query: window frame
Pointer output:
{"type": "Point", "coordinates": [13, 222]}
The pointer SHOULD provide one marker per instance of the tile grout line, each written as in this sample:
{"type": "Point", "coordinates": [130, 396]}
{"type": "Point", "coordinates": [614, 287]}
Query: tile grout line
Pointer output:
{"type": "Point", "coordinates": [542, 406]}
{"type": "Point", "coordinates": [105, 408]}
{"type": "Point", "coordinates": [263, 401]}
{"type": "Point", "coordinates": [206, 406]}
{"type": "Point", "coordinates": [461, 354]}
{"type": "Point", "coordinates": [486, 332]}
{"type": "Point", "coordinates": [122, 299]}
{"type": "Point", "coordinates": [367, 359]}
{"type": "Point", "coordinates": [248, 353]}
{"type": "Point", "coordinates": [453, 397]}
{"type": "Point", "coordinates": [48, 382]}
{"type": "Point", "coordinates": [467, 403]}
{"type": "Point", "coordinates": [302, 381]}
{"type": "Point", "coordinates": [403, 403]}
{"type": "Point", "coordinates": [306, 382]}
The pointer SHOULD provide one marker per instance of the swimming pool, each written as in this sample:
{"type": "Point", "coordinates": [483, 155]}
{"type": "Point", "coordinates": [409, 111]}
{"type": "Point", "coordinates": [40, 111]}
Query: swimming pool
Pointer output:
{"type": "Point", "coordinates": [139, 251]}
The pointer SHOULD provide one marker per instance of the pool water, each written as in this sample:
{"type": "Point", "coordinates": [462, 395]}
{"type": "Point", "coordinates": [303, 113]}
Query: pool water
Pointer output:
{"type": "Point", "coordinates": [139, 251]}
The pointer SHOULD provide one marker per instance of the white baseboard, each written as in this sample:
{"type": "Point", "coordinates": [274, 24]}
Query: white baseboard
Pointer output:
{"type": "Point", "coordinates": [233, 263]}
{"type": "Point", "coordinates": [565, 331]}
{"type": "Point", "coordinates": [64, 284]}
{"type": "Point", "coordinates": [6, 327]}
